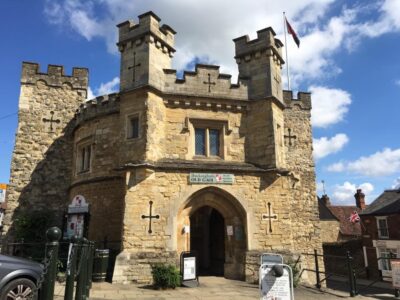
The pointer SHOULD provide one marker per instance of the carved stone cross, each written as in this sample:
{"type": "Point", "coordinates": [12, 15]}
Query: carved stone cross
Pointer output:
{"type": "Point", "coordinates": [150, 216]}
{"type": "Point", "coordinates": [209, 83]}
{"type": "Point", "coordinates": [134, 67]}
{"type": "Point", "coordinates": [51, 120]}
{"type": "Point", "coordinates": [269, 217]}
{"type": "Point", "coordinates": [290, 136]}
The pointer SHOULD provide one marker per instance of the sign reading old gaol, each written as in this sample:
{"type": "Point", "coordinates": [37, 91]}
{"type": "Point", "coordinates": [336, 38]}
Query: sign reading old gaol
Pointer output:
{"type": "Point", "coordinates": [211, 178]}
{"type": "Point", "coordinates": [166, 153]}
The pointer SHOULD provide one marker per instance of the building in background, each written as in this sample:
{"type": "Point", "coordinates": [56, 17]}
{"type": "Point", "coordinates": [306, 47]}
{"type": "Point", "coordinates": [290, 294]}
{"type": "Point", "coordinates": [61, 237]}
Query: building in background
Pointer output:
{"type": "Point", "coordinates": [381, 233]}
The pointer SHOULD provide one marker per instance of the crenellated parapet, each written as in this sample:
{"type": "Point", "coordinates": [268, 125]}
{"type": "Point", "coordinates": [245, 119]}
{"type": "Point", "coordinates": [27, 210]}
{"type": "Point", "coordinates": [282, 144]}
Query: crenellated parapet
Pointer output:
{"type": "Point", "coordinates": [148, 29]}
{"type": "Point", "coordinates": [303, 100]}
{"type": "Point", "coordinates": [205, 81]}
{"type": "Point", "coordinates": [264, 44]}
{"type": "Point", "coordinates": [99, 106]}
{"type": "Point", "coordinates": [260, 60]}
{"type": "Point", "coordinates": [55, 76]}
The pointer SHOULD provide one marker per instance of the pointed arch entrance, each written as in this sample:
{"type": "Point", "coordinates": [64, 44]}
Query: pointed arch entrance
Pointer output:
{"type": "Point", "coordinates": [212, 223]}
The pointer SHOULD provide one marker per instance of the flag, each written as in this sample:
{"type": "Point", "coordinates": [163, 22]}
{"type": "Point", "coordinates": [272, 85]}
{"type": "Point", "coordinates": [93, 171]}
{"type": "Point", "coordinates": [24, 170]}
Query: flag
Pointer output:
{"type": "Point", "coordinates": [293, 33]}
{"type": "Point", "coordinates": [354, 218]}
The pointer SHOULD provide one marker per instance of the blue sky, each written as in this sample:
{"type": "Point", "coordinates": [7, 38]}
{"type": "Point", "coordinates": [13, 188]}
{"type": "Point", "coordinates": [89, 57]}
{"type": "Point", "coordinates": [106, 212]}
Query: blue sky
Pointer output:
{"type": "Point", "coordinates": [348, 59]}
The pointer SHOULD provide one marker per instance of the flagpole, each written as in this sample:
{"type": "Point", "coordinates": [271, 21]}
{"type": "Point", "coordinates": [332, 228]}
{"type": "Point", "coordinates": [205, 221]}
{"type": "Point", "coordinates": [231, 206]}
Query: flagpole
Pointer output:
{"type": "Point", "coordinates": [287, 60]}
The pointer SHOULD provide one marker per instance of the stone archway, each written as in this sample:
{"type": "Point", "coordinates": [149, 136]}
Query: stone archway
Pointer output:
{"type": "Point", "coordinates": [214, 207]}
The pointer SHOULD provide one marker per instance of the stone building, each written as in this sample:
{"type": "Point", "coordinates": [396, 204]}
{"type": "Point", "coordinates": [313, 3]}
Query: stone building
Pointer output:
{"type": "Point", "coordinates": [223, 169]}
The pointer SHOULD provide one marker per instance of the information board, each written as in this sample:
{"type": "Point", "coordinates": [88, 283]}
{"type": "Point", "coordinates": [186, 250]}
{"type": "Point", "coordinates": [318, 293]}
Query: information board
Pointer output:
{"type": "Point", "coordinates": [395, 264]}
{"type": "Point", "coordinates": [189, 268]}
{"type": "Point", "coordinates": [273, 287]}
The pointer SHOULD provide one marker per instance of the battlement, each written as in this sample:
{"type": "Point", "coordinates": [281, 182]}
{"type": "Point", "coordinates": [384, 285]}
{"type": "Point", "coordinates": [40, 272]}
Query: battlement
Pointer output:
{"type": "Point", "coordinates": [205, 81]}
{"type": "Point", "coordinates": [245, 48]}
{"type": "Point", "coordinates": [99, 106]}
{"type": "Point", "coordinates": [55, 76]}
{"type": "Point", "coordinates": [303, 99]}
{"type": "Point", "coordinates": [148, 29]}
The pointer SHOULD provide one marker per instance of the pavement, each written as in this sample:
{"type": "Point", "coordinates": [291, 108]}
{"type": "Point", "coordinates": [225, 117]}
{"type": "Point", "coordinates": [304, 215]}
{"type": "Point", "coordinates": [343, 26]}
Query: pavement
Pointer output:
{"type": "Point", "coordinates": [211, 288]}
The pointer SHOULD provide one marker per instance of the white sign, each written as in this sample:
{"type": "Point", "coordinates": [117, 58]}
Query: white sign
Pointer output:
{"type": "Point", "coordinates": [78, 205]}
{"type": "Point", "coordinates": [186, 229]}
{"type": "Point", "coordinates": [3, 188]}
{"type": "Point", "coordinates": [211, 178]}
{"type": "Point", "coordinates": [229, 230]}
{"type": "Point", "coordinates": [273, 287]}
{"type": "Point", "coordinates": [395, 264]}
{"type": "Point", "coordinates": [189, 268]}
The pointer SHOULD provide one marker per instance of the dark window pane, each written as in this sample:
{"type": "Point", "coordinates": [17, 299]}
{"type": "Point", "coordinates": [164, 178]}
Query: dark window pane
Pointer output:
{"type": "Point", "coordinates": [200, 141]}
{"type": "Point", "coordinates": [214, 142]}
{"type": "Point", "coordinates": [134, 128]}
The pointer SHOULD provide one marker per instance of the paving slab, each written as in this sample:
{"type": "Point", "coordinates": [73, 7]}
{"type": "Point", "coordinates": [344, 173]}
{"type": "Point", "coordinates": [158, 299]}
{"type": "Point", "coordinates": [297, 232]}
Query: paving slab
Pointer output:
{"type": "Point", "coordinates": [210, 288]}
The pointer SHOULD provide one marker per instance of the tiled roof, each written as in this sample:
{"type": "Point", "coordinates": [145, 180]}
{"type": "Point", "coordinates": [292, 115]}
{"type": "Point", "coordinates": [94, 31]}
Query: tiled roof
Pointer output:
{"type": "Point", "coordinates": [324, 213]}
{"type": "Point", "coordinates": [343, 213]}
{"type": "Point", "coordinates": [387, 203]}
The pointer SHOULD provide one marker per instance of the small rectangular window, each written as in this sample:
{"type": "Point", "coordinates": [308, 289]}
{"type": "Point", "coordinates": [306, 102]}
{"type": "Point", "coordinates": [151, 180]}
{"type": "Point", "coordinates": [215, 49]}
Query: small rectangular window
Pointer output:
{"type": "Point", "coordinates": [133, 128]}
{"type": "Point", "coordinates": [200, 141]}
{"type": "Point", "coordinates": [214, 142]}
{"type": "Point", "coordinates": [383, 231]}
{"type": "Point", "coordinates": [84, 158]}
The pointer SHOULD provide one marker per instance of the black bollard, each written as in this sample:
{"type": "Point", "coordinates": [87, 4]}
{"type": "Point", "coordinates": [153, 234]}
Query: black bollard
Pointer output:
{"type": "Point", "coordinates": [53, 235]}
{"type": "Point", "coordinates": [351, 275]}
{"type": "Point", "coordinates": [71, 269]}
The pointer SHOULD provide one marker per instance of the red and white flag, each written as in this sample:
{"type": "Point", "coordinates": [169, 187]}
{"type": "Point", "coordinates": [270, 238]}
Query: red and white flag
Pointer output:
{"type": "Point", "coordinates": [293, 33]}
{"type": "Point", "coordinates": [354, 218]}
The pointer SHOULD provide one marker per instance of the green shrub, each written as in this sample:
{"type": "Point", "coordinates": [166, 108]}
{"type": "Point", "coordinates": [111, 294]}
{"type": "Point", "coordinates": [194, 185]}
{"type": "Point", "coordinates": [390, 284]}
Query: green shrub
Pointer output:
{"type": "Point", "coordinates": [296, 271]}
{"type": "Point", "coordinates": [165, 276]}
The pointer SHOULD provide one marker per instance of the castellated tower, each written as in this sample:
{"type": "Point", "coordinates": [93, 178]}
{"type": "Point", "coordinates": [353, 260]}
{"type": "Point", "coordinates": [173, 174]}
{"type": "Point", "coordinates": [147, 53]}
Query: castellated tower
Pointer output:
{"type": "Point", "coordinates": [146, 50]}
{"type": "Point", "coordinates": [260, 61]}
{"type": "Point", "coordinates": [42, 157]}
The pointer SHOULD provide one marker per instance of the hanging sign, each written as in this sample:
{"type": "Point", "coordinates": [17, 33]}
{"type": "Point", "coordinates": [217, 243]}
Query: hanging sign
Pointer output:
{"type": "Point", "coordinates": [78, 205]}
{"type": "Point", "coordinates": [215, 178]}
{"type": "Point", "coordinates": [3, 188]}
{"type": "Point", "coordinates": [395, 264]}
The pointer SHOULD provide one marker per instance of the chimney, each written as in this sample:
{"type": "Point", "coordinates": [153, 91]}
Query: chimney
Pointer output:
{"type": "Point", "coordinates": [360, 199]}
{"type": "Point", "coordinates": [325, 199]}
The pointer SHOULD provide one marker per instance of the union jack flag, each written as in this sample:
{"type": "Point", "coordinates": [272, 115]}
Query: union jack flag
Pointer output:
{"type": "Point", "coordinates": [354, 218]}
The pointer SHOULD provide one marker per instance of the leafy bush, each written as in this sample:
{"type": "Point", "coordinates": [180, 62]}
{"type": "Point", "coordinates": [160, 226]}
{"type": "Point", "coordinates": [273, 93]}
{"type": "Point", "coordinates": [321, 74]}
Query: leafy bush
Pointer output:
{"type": "Point", "coordinates": [165, 276]}
{"type": "Point", "coordinates": [296, 271]}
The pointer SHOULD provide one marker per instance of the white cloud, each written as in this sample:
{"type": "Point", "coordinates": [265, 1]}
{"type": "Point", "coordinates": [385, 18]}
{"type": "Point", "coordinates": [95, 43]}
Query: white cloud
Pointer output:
{"type": "Point", "coordinates": [329, 105]}
{"type": "Point", "coordinates": [345, 193]}
{"type": "Point", "coordinates": [104, 89]}
{"type": "Point", "coordinates": [198, 37]}
{"type": "Point", "coordinates": [396, 183]}
{"type": "Point", "coordinates": [381, 163]}
{"type": "Point", "coordinates": [325, 146]}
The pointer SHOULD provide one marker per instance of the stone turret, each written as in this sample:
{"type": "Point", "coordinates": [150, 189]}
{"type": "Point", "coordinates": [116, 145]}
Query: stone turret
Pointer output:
{"type": "Point", "coordinates": [146, 50]}
{"type": "Point", "coordinates": [260, 61]}
{"type": "Point", "coordinates": [40, 174]}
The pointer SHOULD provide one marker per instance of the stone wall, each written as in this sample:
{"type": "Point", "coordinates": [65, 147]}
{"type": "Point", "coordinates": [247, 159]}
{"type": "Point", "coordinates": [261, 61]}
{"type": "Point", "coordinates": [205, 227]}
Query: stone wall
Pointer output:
{"type": "Point", "coordinates": [42, 156]}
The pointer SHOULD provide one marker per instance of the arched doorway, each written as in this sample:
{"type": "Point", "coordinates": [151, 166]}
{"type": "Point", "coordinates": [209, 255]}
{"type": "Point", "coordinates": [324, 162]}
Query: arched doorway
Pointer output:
{"type": "Point", "coordinates": [213, 224]}
{"type": "Point", "coordinates": [207, 240]}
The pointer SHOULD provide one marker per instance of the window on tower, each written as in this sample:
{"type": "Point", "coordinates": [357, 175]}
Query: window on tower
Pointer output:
{"type": "Point", "coordinates": [133, 127]}
{"type": "Point", "coordinates": [84, 158]}
{"type": "Point", "coordinates": [207, 142]}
